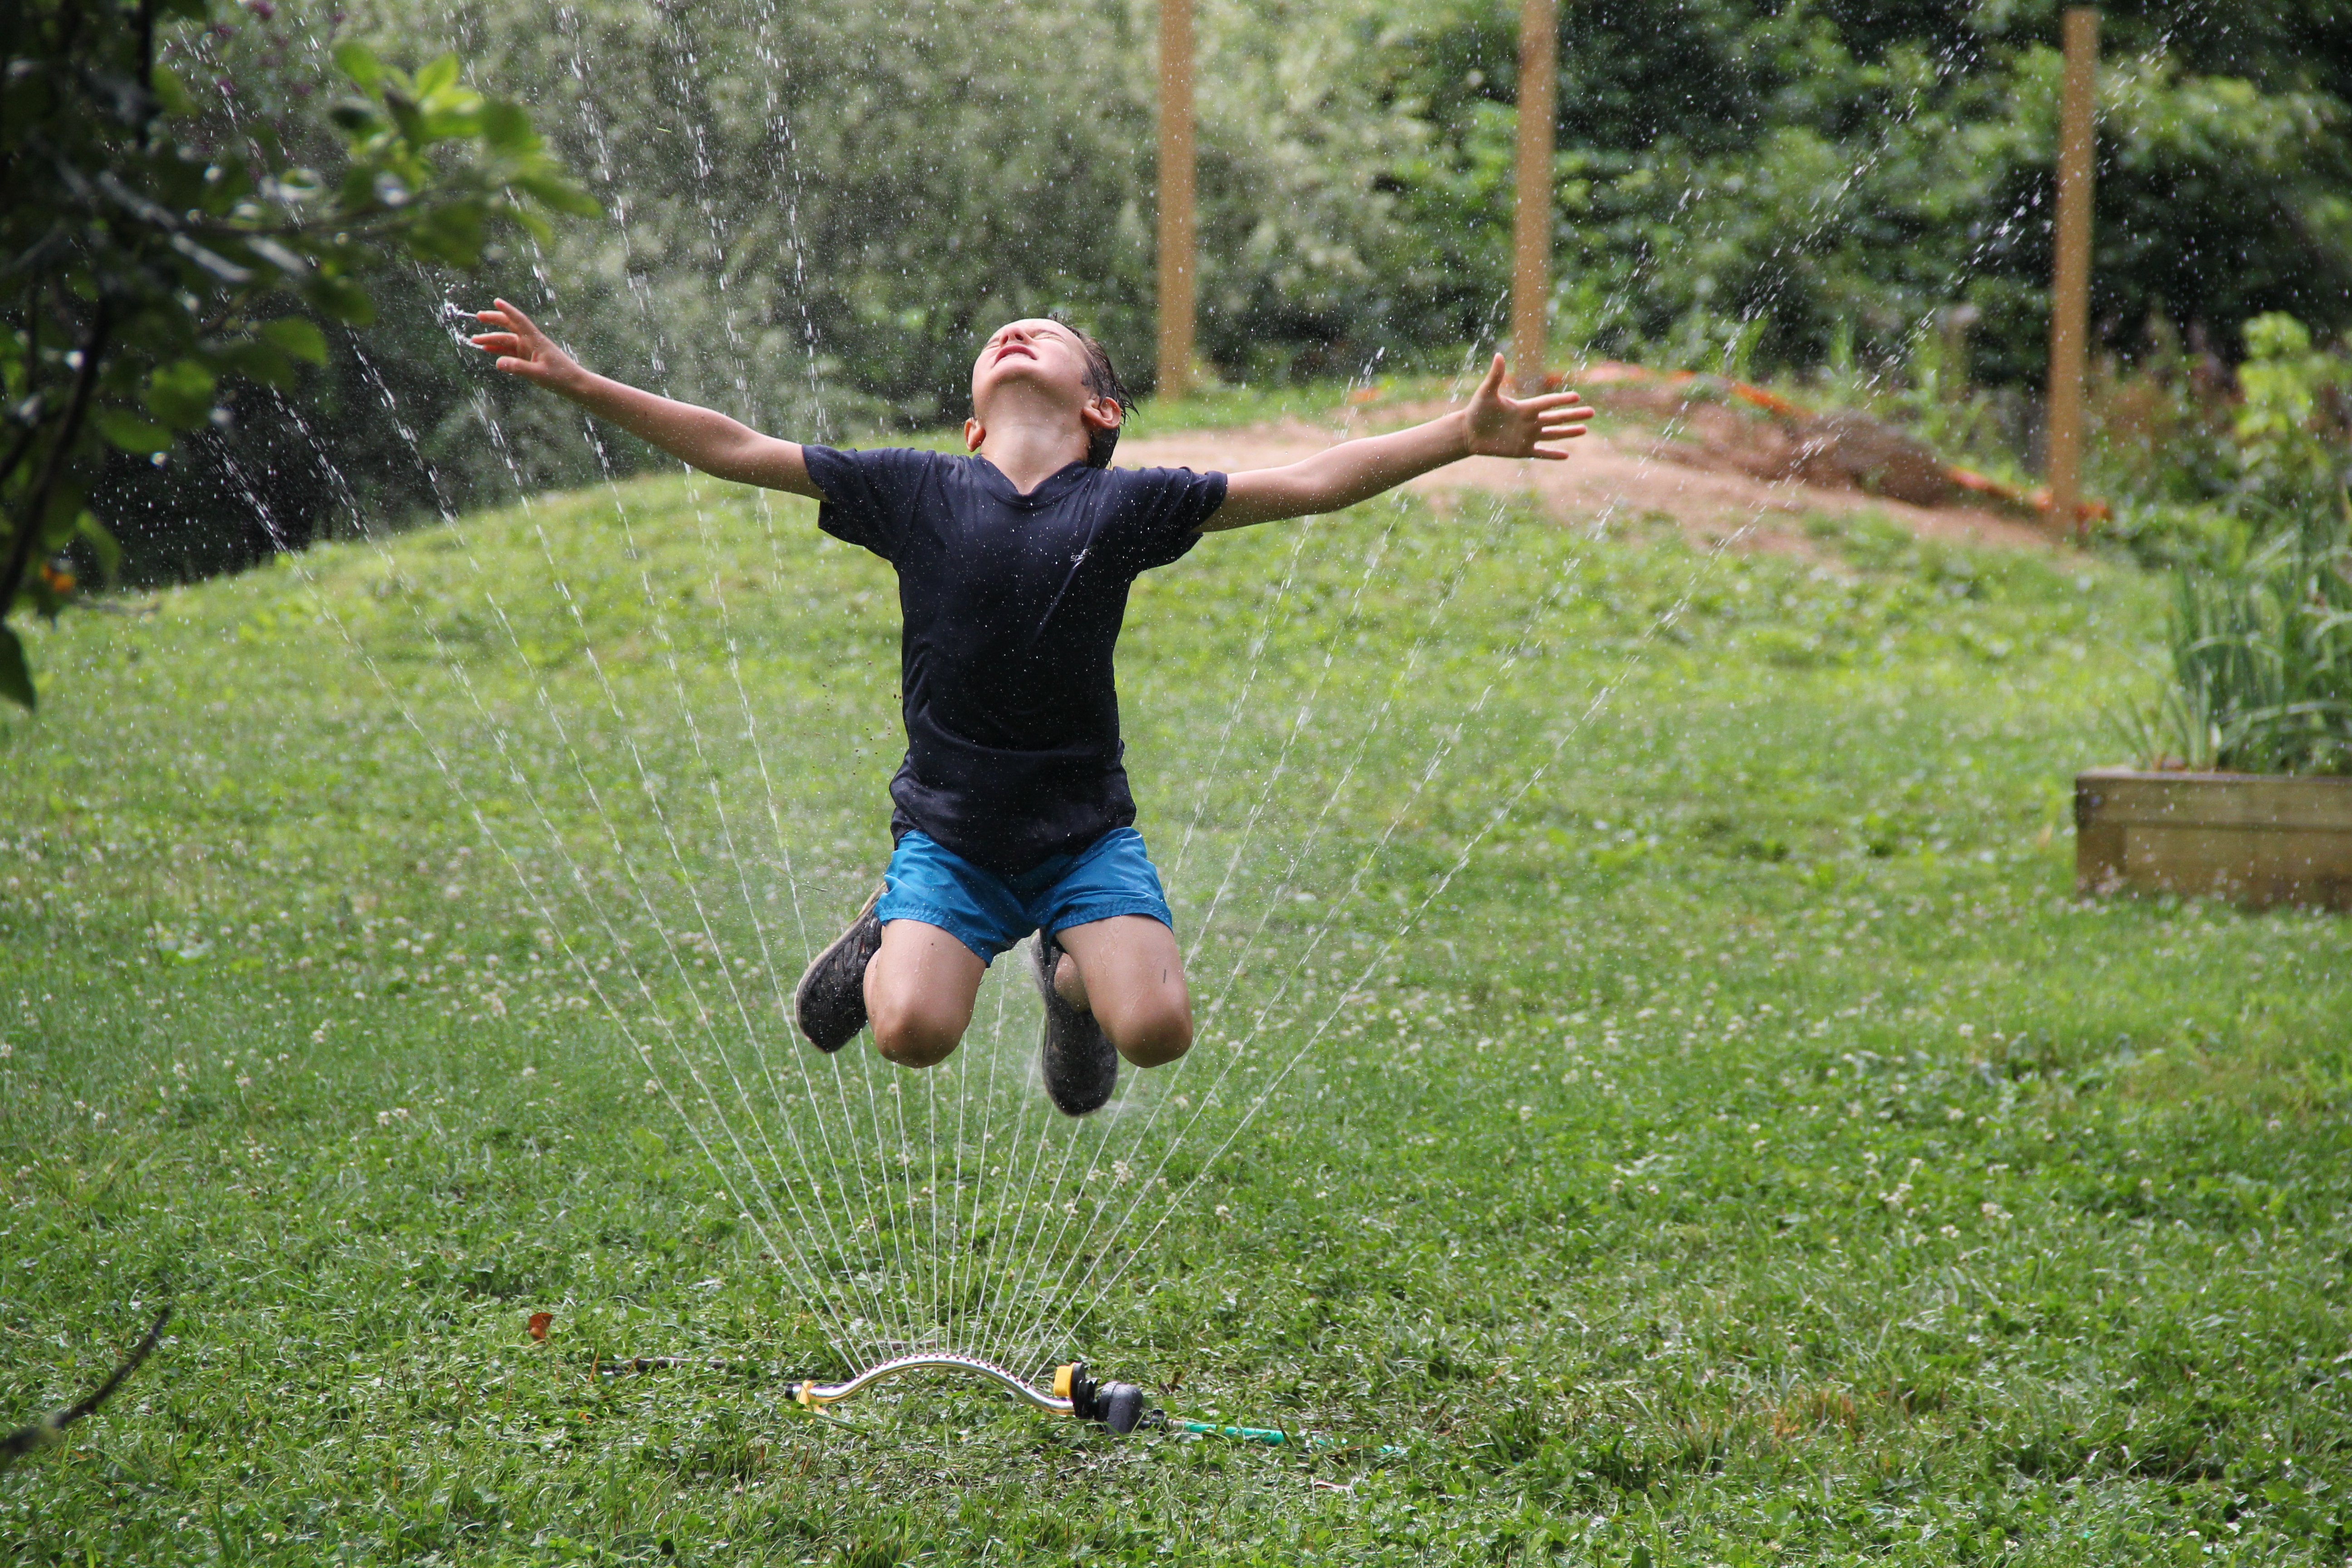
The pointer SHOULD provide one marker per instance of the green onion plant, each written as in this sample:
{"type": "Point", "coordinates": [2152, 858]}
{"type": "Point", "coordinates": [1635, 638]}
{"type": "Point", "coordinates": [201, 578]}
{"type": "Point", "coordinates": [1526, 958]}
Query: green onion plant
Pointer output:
{"type": "Point", "coordinates": [2260, 656]}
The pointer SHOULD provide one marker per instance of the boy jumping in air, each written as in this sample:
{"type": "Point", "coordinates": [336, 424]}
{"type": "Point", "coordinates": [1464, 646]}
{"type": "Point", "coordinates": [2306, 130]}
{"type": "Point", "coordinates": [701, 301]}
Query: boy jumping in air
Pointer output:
{"type": "Point", "coordinates": [1011, 812]}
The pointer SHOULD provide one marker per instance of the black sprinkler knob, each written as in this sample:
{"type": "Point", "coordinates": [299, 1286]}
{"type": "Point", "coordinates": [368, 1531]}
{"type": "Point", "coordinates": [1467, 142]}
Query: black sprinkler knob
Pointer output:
{"type": "Point", "coordinates": [1117, 1406]}
{"type": "Point", "coordinates": [1122, 1405]}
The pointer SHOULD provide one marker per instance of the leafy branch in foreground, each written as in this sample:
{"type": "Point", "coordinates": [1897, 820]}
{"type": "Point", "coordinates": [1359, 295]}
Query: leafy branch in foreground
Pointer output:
{"type": "Point", "coordinates": [152, 245]}
{"type": "Point", "coordinates": [42, 1433]}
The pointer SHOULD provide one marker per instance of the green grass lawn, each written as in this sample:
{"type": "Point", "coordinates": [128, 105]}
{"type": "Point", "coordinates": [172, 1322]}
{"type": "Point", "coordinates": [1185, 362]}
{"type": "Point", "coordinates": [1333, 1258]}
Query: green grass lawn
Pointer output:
{"type": "Point", "coordinates": [1658, 1099]}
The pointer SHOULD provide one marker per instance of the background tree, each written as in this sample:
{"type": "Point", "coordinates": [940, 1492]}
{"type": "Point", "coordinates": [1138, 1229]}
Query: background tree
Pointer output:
{"type": "Point", "coordinates": [816, 206]}
{"type": "Point", "coordinates": [160, 245]}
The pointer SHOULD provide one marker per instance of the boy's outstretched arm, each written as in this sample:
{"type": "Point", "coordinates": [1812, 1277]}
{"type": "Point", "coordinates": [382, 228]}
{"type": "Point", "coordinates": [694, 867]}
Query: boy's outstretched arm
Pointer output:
{"type": "Point", "coordinates": [702, 437]}
{"type": "Point", "coordinates": [1495, 425]}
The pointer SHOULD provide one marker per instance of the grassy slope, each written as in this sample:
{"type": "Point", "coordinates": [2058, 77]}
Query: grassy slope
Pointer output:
{"type": "Point", "coordinates": [1754, 1152]}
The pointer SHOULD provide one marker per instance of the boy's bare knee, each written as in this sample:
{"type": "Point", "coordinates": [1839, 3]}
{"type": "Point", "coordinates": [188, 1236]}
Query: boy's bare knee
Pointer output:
{"type": "Point", "coordinates": [1153, 1036]}
{"type": "Point", "coordinates": [916, 1036]}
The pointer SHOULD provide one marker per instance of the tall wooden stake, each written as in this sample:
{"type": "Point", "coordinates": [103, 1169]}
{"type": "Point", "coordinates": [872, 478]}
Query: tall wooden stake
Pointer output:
{"type": "Point", "coordinates": [2070, 287]}
{"type": "Point", "coordinates": [1531, 201]}
{"type": "Point", "coordinates": [1176, 230]}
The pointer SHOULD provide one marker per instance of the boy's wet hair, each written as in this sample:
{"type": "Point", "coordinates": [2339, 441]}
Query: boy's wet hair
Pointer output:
{"type": "Point", "coordinates": [1102, 380]}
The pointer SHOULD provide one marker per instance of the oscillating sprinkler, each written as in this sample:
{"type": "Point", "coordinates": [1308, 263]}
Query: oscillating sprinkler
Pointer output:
{"type": "Point", "coordinates": [1117, 1406]}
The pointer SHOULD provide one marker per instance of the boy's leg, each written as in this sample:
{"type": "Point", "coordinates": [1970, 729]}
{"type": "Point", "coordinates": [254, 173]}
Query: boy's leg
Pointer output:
{"type": "Point", "coordinates": [1128, 972]}
{"type": "Point", "coordinates": [920, 991]}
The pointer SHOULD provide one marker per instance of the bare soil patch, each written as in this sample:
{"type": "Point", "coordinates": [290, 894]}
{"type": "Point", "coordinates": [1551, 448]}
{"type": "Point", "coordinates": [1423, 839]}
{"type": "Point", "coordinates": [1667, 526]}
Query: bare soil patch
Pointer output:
{"type": "Point", "coordinates": [1721, 475]}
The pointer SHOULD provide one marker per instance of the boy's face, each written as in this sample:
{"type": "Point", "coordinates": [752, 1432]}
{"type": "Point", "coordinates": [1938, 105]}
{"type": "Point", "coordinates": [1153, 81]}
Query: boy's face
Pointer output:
{"type": "Point", "coordinates": [1037, 355]}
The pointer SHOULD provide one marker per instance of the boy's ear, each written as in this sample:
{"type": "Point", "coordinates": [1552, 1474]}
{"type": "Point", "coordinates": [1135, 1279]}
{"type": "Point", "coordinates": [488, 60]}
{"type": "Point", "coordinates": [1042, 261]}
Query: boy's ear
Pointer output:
{"type": "Point", "coordinates": [973, 435]}
{"type": "Point", "coordinates": [1102, 413]}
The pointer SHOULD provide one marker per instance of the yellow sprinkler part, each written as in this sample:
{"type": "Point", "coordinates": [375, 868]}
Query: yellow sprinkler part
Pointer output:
{"type": "Point", "coordinates": [1062, 1375]}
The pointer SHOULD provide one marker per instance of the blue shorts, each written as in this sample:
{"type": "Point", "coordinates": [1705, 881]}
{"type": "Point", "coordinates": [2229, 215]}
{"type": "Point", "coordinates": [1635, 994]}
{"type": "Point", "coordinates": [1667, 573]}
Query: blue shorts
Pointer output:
{"type": "Point", "coordinates": [927, 881]}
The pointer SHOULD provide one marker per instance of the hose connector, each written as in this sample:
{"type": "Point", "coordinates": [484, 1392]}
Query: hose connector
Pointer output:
{"type": "Point", "coordinates": [1117, 1406]}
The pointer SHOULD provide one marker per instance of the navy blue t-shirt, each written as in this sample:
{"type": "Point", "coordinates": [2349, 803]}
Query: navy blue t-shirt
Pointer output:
{"type": "Point", "coordinates": [1012, 606]}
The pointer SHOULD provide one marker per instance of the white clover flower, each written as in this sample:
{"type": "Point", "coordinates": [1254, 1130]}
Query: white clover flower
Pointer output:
{"type": "Point", "coordinates": [530, 1072]}
{"type": "Point", "coordinates": [652, 1087]}
{"type": "Point", "coordinates": [6, 1050]}
{"type": "Point", "coordinates": [1949, 1232]}
{"type": "Point", "coordinates": [383, 1118]}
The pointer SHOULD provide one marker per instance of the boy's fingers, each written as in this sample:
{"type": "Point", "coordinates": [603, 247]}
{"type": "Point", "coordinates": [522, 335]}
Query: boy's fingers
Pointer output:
{"type": "Point", "coordinates": [1494, 381]}
{"type": "Point", "coordinates": [522, 323]}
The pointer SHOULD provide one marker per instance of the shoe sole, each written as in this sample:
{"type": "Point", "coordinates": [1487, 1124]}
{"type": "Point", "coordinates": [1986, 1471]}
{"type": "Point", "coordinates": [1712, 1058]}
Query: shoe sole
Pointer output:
{"type": "Point", "coordinates": [1074, 1027]}
{"type": "Point", "coordinates": [816, 966]}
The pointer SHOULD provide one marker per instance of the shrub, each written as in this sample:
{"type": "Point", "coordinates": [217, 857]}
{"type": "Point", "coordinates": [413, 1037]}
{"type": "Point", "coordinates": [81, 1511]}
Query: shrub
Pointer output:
{"type": "Point", "coordinates": [2262, 659]}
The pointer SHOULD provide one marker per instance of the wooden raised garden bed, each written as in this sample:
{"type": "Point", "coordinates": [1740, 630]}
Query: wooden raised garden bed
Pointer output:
{"type": "Point", "coordinates": [2253, 838]}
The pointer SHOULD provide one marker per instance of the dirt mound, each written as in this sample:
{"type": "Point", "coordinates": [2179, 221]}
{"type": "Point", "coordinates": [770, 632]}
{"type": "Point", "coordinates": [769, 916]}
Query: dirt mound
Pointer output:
{"type": "Point", "coordinates": [1717, 471]}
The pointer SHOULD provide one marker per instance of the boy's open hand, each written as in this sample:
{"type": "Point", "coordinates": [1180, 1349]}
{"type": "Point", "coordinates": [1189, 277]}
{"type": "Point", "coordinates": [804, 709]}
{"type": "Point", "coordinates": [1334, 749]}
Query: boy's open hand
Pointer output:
{"type": "Point", "coordinates": [522, 348]}
{"type": "Point", "coordinates": [1501, 426]}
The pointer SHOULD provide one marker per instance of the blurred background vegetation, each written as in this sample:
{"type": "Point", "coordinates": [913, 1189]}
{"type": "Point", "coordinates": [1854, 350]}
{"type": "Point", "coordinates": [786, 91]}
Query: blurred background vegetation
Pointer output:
{"type": "Point", "coordinates": [813, 209]}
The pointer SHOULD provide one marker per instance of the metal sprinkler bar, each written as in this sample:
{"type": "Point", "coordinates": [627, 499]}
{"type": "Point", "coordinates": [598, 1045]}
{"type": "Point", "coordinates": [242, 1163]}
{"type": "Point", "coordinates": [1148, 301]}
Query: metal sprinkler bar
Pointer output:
{"type": "Point", "coordinates": [1117, 1406]}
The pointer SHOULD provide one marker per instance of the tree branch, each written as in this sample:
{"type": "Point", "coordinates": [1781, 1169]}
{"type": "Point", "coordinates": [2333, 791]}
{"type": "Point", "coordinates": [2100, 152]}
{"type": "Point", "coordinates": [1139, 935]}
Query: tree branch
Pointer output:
{"type": "Point", "coordinates": [30, 520]}
{"type": "Point", "coordinates": [41, 1434]}
{"type": "Point", "coordinates": [34, 397]}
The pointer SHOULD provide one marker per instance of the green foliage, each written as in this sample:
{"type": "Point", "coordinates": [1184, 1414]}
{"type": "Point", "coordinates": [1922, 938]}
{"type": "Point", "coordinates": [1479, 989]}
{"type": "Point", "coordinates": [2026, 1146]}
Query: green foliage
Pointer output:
{"type": "Point", "coordinates": [2261, 660]}
{"type": "Point", "coordinates": [818, 209]}
{"type": "Point", "coordinates": [1825, 171]}
{"type": "Point", "coordinates": [2293, 418]}
{"type": "Point", "coordinates": [152, 242]}
{"type": "Point", "coordinates": [2260, 638]}
{"type": "Point", "coordinates": [1721, 165]}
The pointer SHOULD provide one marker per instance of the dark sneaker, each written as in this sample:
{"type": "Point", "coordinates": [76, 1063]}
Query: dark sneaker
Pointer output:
{"type": "Point", "coordinates": [1081, 1069]}
{"type": "Point", "coordinates": [829, 1000]}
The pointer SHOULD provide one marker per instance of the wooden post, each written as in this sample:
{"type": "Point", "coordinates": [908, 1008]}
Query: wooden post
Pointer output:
{"type": "Point", "coordinates": [1531, 201]}
{"type": "Point", "coordinates": [1176, 231]}
{"type": "Point", "coordinates": [2070, 287]}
